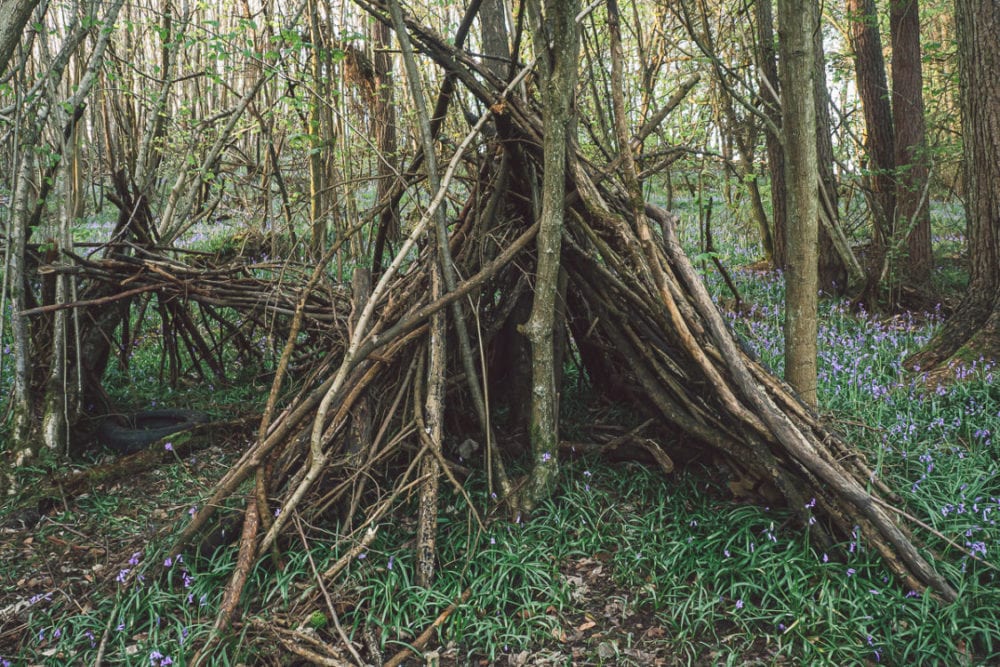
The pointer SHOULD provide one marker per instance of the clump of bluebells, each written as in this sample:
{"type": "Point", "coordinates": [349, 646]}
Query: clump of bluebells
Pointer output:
{"type": "Point", "coordinates": [932, 443]}
{"type": "Point", "coordinates": [154, 614]}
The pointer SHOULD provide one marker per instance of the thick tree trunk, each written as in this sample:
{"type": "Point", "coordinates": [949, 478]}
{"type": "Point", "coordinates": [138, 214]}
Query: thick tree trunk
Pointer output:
{"type": "Point", "coordinates": [14, 15]}
{"type": "Point", "coordinates": [879, 136]}
{"type": "Point", "coordinates": [974, 329]}
{"type": "Point", "coordinates": [797, 21]}
{"type": "Point", "coordinates": [912, 220]}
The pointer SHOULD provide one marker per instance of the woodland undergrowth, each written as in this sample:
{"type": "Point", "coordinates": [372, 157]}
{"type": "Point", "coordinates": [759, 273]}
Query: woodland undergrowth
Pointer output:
{"type": "Point", "coordinates": [621, 564]}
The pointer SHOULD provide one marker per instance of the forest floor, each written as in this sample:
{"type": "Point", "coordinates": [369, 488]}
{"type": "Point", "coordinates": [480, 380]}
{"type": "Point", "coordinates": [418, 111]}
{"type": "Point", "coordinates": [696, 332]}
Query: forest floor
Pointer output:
{"type": "Point", "coordinates": [623, 565]}
{"type": "Point", "coordinates": [74, 558]}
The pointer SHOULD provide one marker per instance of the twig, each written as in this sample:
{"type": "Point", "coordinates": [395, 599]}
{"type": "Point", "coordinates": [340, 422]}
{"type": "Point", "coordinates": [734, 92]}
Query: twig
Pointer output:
{"type": "Point", "coordinates": [326, 594]}
{"type": "Point", "coordinates": [933, 531]}
{"type": "Point", "coordinates": [426, 635]}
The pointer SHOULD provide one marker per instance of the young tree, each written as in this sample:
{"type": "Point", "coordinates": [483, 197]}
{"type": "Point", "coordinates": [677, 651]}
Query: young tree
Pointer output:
{"type": "Point", "coordinates": [384, 128]}
{"type": "Point", "coordinates": [557, 46]}
{"type": "Point", "coordinates": [974, 329]}
{"type": "Point", "coordinates": [832, 270]}
{"type": "Point", "coordinates": [767, 65]}
{"type": "Point", "coordinates": [797, 21]}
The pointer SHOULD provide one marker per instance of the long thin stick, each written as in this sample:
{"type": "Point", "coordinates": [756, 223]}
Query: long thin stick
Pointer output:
{"type": "Point", "coordinates": [425, 636]}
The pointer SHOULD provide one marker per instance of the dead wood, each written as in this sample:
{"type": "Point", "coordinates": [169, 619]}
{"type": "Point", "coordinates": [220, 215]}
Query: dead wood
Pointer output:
{"type": "Point", "coordinates": [425, 636]}
{"type": "Point", "coordinates": [636, 310]}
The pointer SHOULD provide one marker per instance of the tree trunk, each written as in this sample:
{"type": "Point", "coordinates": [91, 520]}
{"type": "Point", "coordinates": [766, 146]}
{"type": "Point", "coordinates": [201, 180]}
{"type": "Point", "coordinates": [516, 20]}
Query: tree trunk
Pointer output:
{"type": "Point", "coordinates": [912, 220]}
{"type": "Point", "coordinates": [869, 66]}
{"type": "Point", "coordinates": [797, 21]}
{"type": "Point", "coordinates": [14, 15]}
{"type": "Point", "coordinates": [384, 126]}
{"type": "Point", "coordinates": [18, 286]}
{"type": "Point", "coordinates": [316, 131]}
{"type": "Point", "coordinates": [832, 270]}
{"type": "Point", "coordinates": [974, 329]}
{"type": "Point", "coordinates": [493, 17]}
{"type": "Point", "coordinates": [556, 43]}
{"type": "Point", "coordinates": [770, 91]}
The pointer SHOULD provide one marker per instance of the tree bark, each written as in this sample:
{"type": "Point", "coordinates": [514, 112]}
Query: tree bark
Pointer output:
{"type": "Point", "coordinates": [493, 18]}
{"type": "Point", "coordinates": [556, 43]}
{"type": "Point", "coordinates": [912, 220]}
{"type": "Point", "coordinates": [873, 89]}
{"type": "Point", "coordinates": [14, 15]}
{"type": "Point", "coordinates": [384, 125]}
{"type": "Point", "coordinates": [797, 21]}
{"type": "Point", "coordinates": [832, 270]}
{"type": "Point", "coordinates": [770, 95]}
{"type": "Point", "coordinates": [18, 285]}
{"type": "Point", "coordinates": [974, 329]}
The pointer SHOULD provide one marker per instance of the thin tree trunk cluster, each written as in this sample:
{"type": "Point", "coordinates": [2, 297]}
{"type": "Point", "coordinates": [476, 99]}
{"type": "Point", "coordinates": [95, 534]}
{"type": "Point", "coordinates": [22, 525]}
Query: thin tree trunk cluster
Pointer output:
{"type": "Point", "coordinates": [898, 160]}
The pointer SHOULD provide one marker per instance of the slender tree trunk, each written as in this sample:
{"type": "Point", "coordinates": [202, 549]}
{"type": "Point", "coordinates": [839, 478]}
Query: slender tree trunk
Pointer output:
{"type": "Point", "coordinates": [797, 21]}
{"type": "Point", "coordinates": [437, 345]}
{"type": "Point", "coordinates": [384, 125]}
{"type": "Point", "coordinates": [912, 215]}
{"type": "Point", "coordinates": [17, 284]}
{"type": "Point", "coordinates": [770, 93]}
{"type": "Point", "coordinates": [832, 269]}
{"type": "Point", "coordinates": [556, 41]}
{"type": "Point", "coordinates": [315, 131]}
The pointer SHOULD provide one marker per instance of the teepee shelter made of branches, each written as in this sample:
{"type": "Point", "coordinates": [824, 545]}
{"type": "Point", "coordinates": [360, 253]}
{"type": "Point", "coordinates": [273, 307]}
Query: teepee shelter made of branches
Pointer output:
{"type": "Point", "coordinates": [636, 310]}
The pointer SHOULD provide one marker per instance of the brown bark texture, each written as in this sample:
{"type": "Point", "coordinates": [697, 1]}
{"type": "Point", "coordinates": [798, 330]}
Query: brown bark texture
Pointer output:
{"type": "Point", "coordinates": [832, 272]}
{"type": "Point", "coordinates": [798, 21]}
{"type": "Point", "coordinates": [974, 328]}
{"type": "Point", "coordinates": [879, 138]}
{"type": "Point", "coordinates": [770, 92]}
{"type": "Point", "coordinates": [14, 15]}
{"type": "Point", "coordinates": [912, 215]}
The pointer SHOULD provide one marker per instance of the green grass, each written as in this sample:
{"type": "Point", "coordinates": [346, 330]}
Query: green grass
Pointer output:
{"type": "Point", "coordinates": [721, 579]}
{"type": "Point", "coordinates": [718, 576]}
